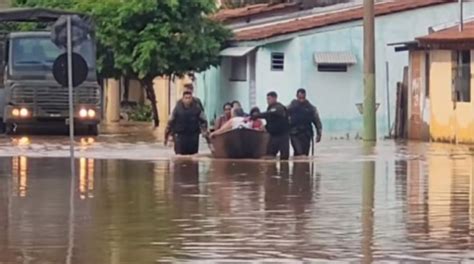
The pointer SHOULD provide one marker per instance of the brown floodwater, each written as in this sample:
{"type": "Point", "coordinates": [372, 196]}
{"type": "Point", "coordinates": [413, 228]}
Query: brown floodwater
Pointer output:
{"type": "Point", "coordinates": [406, 202]}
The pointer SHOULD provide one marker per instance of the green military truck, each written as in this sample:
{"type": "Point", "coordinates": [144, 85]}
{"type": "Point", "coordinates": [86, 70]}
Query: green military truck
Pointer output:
{"type": "Point", "coordinates": [30, 97]}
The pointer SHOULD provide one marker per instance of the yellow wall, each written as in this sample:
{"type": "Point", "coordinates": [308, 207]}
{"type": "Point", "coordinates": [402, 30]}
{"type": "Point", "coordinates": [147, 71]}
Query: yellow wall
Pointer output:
{"type": "Point", "coordinates": [440, 88]}
{"type": "Point", "coordinates": [136, 93]}
{"type": "Point", "coordinates": [165, 96]}
{"type": "Point", "coordinates": [448, 124]}
{"type": "Point", "coordinates": [112, 101]}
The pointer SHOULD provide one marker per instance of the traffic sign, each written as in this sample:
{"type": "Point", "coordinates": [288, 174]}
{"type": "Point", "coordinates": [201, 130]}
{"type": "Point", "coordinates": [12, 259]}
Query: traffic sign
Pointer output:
{"type": "Point", "coordinates": [79, 69]}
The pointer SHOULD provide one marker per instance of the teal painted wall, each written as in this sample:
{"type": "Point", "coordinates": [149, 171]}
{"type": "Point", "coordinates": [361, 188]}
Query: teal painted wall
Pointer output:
{"type": "Point", "coordinates": [233, 90]}
{"type": "Point", "coordinates": [208, 89]}
{"type": "Point", "coordinates": [215, 88]}
{"type": "Point", "coordinates": [336, 94]}
{"type": "Point", "coordinates": [283, 82]}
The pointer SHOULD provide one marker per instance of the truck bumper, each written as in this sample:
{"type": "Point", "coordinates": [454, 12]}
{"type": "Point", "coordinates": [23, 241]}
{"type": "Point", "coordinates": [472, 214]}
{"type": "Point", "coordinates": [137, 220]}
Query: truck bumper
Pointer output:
{"type": "Point", "coordinates": [23, 115]}
{"type": "Point", "coordinates": [46, 121]}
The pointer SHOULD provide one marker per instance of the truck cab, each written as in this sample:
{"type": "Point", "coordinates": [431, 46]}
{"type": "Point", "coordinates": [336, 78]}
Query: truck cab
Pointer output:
{"type": "Point", "coordinates": [30, 97]}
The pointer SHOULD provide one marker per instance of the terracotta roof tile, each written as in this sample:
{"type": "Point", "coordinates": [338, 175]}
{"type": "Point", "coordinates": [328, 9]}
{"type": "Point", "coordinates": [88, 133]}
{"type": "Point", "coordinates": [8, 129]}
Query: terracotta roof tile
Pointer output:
{"type": "Point", "coordinates": [226, 15]}
{"type": "Point", "coordinates": [348, 15]}
{"type": "Point", "coordinates": [450, 35]}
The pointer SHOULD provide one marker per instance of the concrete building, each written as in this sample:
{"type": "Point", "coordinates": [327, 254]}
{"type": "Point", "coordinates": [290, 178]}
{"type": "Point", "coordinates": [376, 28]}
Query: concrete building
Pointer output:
{"type": "Point", "coordinates": [320, 50]}
{"type": "Point", "coordinates": [440, 105]}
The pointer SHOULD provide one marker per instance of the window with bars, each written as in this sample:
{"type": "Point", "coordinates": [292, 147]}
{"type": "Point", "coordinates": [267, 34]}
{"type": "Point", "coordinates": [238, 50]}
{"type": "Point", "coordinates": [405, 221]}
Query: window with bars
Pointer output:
{"type": "Point", "coordinates": [278, 61]}
{"type": "Point", "coordinates": [461, 75]}
{"type": "Point", "coordinates": [332, 67]}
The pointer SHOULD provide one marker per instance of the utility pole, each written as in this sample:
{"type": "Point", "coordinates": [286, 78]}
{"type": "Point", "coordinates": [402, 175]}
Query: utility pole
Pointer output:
{"type": "Point", "coordinates": [369, 109]}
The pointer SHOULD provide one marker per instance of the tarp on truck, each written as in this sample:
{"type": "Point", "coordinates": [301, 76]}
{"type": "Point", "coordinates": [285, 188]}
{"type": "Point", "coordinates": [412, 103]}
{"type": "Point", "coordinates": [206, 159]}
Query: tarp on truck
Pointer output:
{"type": "Point", "coordinates": [34, 15]}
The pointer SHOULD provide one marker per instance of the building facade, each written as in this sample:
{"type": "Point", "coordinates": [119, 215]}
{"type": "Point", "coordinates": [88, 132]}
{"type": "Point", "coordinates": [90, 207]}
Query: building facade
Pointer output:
{"type": "Point", "coordinates": [440, 100]}
{"type": "Point", "coordinates": [323, 53]}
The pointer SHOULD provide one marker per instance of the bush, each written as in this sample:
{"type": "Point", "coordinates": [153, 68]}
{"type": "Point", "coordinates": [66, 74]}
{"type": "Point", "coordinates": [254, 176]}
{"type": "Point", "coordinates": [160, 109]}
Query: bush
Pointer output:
{"type": "Point", "coordinates": [142, 113]}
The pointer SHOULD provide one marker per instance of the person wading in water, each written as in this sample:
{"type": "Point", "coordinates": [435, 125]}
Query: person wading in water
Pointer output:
{"type": "Point", "coordinates": [277, 126]}
{"type": "Point", "coordinates": [303, 115]}
{"type": "Point", "coordinates": [186, 123]}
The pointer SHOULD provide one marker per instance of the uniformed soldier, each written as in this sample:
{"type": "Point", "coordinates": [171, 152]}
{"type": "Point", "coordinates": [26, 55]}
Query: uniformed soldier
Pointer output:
{"type": "Point", "coordinates": [303, 115]}
{"type": "Point", "coordinates": [186, 123]}
{"type": "Point", "coordinates": [189, 87]}
{"type": "Point", "coordinates": [277, 126]}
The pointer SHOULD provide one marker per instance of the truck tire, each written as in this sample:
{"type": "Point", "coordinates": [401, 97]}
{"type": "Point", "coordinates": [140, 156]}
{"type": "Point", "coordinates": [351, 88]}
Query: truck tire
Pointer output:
{"type": "Point", "coordinates": [3, 128]}
{"type": "Point", "coordinates": [10, 129]}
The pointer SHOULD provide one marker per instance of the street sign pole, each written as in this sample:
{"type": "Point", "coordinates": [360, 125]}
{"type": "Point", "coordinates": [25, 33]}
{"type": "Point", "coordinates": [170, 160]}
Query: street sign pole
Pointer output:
{"type": "Point", "coordinates": [71, 138]}
{"type": "Point", "coordinates": [71, 96]}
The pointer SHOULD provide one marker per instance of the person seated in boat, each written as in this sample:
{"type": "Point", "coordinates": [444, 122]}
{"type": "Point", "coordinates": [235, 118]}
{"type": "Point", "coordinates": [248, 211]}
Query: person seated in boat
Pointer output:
{"type": "Point", "coordinates": [256, 123]}
{"type": "Point", "coordinates": [238, 120]}
{"type": "Point", "coordinates": [226, 116]}
{"type": "Point", "coordinates": [236, 104]}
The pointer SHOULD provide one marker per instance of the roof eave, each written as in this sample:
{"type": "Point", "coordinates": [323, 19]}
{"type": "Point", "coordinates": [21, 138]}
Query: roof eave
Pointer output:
{"type": "Point", "coordinates": [456, 44]}
{"type": "Point", "coordinates": [296, 32]}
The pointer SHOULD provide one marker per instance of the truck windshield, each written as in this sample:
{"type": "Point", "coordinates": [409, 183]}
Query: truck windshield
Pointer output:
{"type": "Point", "coordinates": [39, 53]}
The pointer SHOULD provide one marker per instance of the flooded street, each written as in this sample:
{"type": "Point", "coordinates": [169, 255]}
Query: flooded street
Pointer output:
{"type": "Point", "coordinates": [410, 202]}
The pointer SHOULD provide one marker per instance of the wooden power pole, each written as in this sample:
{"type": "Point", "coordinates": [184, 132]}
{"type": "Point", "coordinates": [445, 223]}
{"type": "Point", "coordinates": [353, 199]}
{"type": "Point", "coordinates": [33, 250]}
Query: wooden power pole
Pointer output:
{"type": "Point", "coordinates": [369, 108]}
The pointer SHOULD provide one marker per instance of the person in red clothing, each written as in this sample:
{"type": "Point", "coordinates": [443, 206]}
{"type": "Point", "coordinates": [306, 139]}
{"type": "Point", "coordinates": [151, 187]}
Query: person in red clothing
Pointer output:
{"type": "Point", "coordinates": [256, 124]}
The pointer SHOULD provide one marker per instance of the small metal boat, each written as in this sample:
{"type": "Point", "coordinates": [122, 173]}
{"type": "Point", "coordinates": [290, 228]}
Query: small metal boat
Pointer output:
{"type": "Point", "coordinates": [241, 143]}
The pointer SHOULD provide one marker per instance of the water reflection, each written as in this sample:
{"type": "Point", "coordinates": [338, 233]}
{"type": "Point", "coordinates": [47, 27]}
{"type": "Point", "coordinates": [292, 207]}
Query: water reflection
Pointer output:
{"type": "Point", "coordinates": [368, 191]}
{"type": "Point", "coordinates": [368, 204]}
{"type": "Point", "coordinates": [87, 141]}
{"type": "Point", "coordinates": [143, 212]}
{"type": "Point", "coordinates": [20, 175]}
{"type": "Point", "coordinates": [21, 141]}
{"type": "Point", "coordinates": [86, 178]}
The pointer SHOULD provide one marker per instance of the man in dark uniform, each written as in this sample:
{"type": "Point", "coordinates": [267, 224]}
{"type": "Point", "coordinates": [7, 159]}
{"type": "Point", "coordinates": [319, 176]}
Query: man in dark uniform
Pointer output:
{"type": "Point", "coordinates": [186, 123]}
{"type": "Point", "coordinates": [277, 127]}
{"type": "Point", "coordinates": [303, 115]}
{"type": "Point", "coordinates": [189, 87]}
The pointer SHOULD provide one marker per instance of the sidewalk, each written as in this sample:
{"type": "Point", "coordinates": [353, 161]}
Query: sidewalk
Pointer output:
{"type": "Point", "coordinates": [131, 127]}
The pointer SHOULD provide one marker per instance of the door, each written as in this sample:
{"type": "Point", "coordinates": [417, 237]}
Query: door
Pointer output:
{"type": "Point", "coordinates": [252, 78]}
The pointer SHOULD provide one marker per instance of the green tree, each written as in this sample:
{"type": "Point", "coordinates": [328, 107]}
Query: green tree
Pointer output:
{"type": "Point", "coordinates": [144, 39]}
{"type": "Point", "coordinates": [62, 4]}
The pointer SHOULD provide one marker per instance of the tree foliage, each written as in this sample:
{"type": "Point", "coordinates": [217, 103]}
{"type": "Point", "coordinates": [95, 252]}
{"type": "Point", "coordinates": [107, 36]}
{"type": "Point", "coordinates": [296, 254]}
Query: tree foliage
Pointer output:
{"type": "Point", "coordinates": [61, 4]}
{"type": "Point", "coordinates": [144, 39]}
